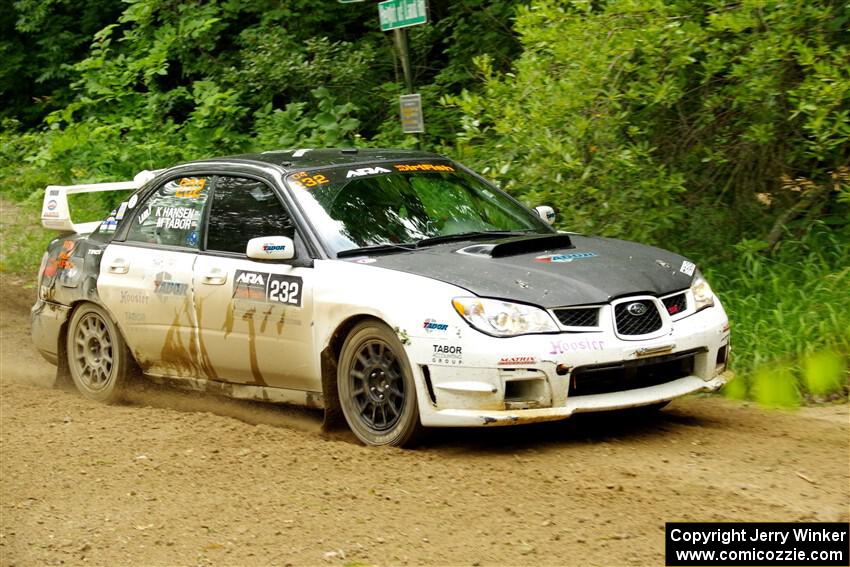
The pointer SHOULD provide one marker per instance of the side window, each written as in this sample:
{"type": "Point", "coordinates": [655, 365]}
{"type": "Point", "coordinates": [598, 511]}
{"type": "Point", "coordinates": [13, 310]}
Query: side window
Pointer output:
{"type": "Point", "coordinates": [172, 215]}
{"type": "Point", "coordinates": [243, 209]}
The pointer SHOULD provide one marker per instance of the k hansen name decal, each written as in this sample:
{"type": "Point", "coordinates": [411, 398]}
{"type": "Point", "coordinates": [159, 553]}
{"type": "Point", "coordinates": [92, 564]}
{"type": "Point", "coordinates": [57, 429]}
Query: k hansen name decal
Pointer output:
{"type": "Point", "coordinates": [273, 288]}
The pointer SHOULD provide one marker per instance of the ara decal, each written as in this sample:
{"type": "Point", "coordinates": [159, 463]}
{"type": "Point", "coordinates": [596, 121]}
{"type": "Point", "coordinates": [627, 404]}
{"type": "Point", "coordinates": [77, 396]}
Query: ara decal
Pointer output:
{"type": "Point", "coordinates": [553, 258]}
{"type": "Point", "coordinates": [366, 171]}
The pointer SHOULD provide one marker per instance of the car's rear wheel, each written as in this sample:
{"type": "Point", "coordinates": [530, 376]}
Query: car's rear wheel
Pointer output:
{"type": "Point", "coordinates": [98, 358]}
{"type": "Point", "coordinates": [376, 388]}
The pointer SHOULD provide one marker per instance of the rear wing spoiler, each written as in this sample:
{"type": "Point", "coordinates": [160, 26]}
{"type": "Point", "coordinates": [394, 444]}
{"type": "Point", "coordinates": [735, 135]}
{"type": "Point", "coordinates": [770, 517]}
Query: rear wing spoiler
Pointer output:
{"type": "Point", "coordinates": [56, 215]}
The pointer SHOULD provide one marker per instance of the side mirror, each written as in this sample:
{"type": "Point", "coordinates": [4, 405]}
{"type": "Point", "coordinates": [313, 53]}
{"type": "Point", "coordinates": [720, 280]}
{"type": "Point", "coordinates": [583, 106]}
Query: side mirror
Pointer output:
{"type": "Point", "coordinates": [271, 248]}
{"type": "Point", "coordinates": [546, 213]}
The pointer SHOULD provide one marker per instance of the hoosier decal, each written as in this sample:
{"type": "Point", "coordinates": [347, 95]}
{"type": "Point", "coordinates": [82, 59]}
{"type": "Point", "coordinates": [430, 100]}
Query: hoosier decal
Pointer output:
{"type": "Point", "coordinates": [272, 288]}
{"type": "Point", "coordinates": [563, 347]}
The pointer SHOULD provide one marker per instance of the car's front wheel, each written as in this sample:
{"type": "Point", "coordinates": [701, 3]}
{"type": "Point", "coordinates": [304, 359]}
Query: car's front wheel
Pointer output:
{"type": "Point", "coordinates": [98, 358]}
{"type": "Point", "coordinates": [376, 388]}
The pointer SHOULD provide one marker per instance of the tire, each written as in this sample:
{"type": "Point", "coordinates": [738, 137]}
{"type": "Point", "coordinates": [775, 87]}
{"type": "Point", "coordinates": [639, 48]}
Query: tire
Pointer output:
{"type": "Point", "coordinates": [376, 389]}
{"type": "Point", "coordinates": [98, 358]}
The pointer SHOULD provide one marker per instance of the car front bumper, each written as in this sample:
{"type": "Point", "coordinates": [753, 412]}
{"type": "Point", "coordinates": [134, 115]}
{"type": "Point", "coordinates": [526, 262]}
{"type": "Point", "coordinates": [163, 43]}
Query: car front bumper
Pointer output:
{"type": "Point", "coordinates": [476, 380]}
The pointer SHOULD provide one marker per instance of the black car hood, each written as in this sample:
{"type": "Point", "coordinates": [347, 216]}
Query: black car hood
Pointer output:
{"type": "Point", "coordinates": [592, 270]}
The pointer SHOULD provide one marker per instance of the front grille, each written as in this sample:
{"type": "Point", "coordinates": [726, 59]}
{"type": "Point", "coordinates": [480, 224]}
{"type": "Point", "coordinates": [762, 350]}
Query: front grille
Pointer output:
{"type": "Point", "coordinates": [630, 324]}
{"type": "Point", "coordinates": [582, 317]}
{"type": "Point", "coordinates": [675, 303]}
{"type": "Point", "coordinates": [632, 374]}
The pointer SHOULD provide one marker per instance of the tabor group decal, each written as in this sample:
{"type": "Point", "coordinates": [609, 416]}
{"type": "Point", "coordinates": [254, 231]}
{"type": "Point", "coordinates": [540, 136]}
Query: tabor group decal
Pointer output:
{"type": "Point", "coordinates": [554, 258]}
{"type": "Point", "coordinates": [447, 354]}
{"type": "Point", "coordinates": [273, 288]}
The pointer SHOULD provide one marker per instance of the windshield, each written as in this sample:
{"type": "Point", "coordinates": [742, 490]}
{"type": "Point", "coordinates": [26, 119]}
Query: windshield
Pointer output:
{"type": "Point", "coordinates": [402, 204]}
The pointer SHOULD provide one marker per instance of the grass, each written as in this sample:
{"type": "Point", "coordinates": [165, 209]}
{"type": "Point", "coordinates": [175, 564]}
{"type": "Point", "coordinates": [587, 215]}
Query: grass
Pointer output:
{"type": "Point", "coordinates": [790, 314]}
{"type": "Point", "coordinates": [22, 239]}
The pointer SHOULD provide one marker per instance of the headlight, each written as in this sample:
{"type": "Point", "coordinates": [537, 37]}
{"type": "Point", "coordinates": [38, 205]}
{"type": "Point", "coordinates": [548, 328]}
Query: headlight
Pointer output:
{"type": "Point", "coordinates": [703, 296]}
{"type": "Point", "coordinates": [503, 319]}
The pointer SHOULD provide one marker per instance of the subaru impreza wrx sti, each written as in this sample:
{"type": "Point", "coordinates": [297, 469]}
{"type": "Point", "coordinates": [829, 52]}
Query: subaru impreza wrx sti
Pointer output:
{"type": "Point", "coordinates": [396, 289]}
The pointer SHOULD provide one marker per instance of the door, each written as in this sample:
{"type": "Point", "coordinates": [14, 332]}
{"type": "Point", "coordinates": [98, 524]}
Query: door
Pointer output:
{"type": "Point", "coordinates": [146, 280]}
{"type": "Point", "coordinates": [254, 317]}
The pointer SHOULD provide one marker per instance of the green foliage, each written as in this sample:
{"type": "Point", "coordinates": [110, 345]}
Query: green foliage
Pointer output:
{"type": "Point", "coordinates": [619, 107]}
{"type": "Point", "coordinates": [789, 311]}
{"type": "Point", "coordinates": [823, 372]}
{"type": "Point", "coordinates": [774, 386]}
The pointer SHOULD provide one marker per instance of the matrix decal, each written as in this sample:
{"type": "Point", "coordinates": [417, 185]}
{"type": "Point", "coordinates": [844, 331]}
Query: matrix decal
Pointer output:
{"type": "Point", "coordinates": [272, 288]}
{"type": "Point", "coordinates": [553, 258]}
{"type": "Point", "coordinates": [688, 268]}
{"type": "Point", "coordinates": [516, 360]}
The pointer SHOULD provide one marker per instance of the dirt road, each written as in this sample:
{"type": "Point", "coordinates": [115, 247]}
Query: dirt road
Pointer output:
{"type": "Point", "coordinates": [174, 479]}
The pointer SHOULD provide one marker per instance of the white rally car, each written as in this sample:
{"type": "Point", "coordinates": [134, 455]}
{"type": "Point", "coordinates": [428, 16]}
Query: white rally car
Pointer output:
{"type": "Point", "coordinates": [397, 289]}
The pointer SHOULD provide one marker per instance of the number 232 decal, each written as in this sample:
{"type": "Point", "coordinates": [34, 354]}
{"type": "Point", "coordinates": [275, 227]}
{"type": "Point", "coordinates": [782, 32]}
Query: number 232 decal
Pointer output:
{"type": "Point", "coordinates": [282, 291]}
{"type": "Point", "coordinates": [272, 288]}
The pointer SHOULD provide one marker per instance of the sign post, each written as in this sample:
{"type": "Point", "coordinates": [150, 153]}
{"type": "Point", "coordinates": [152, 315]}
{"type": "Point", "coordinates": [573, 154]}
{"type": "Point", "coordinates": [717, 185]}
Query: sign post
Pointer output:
{"type": "Point", "coordinates": [412, 121]}
{"type": "Point", "coordinates": [397, 15]}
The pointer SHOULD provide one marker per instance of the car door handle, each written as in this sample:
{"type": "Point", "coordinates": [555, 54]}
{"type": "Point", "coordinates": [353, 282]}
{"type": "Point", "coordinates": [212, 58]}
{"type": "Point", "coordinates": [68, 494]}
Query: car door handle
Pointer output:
{"type": "Point", "coordinates": [119, 266]}
{"type": "Point", "coordinates": [215, 277]}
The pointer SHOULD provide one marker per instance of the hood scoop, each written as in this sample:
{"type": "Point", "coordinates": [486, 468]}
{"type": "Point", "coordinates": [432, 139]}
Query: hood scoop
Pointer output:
{"type": "Point", "coordinates": [482, 250]}
{"type": "Point", "coordinates": [515, 247]}
{"type": "Point", "coordinates": [527, 245]}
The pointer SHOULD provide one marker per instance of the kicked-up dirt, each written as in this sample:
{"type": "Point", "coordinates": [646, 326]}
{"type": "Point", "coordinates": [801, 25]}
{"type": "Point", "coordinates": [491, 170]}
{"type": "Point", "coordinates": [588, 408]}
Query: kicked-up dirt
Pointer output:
{"type": "Point", "coordinates": [177, 479]}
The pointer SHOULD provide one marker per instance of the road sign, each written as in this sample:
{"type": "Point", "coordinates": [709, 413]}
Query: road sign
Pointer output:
{"type": "Point", "coordinates": [396, 14]}
{"type": "Point", "coordinates": [412, 121]}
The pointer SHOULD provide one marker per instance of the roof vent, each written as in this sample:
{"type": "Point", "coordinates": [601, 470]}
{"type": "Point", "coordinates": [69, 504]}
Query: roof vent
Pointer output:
{"type": "Point", "coordinates": [348, 151]}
